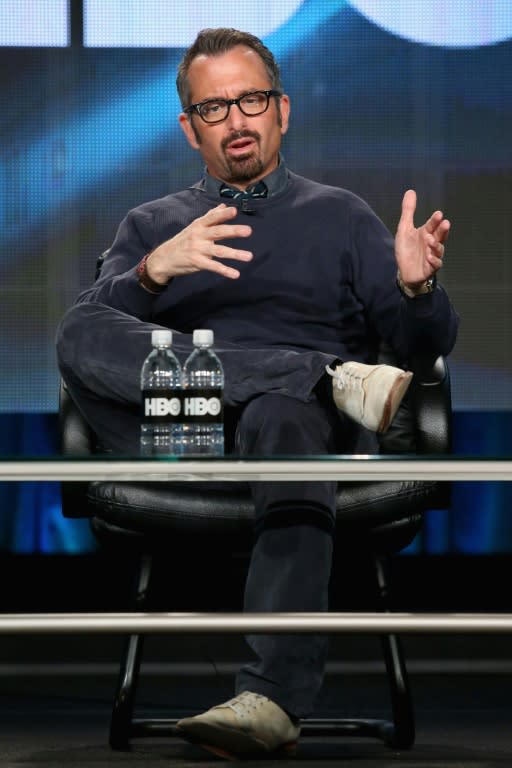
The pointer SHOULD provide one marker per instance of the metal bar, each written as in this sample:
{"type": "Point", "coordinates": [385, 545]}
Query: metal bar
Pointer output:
{"type": "Point", "coordinates": [173, 623]}
{"type": "Point", "coordinates": [360, 468]}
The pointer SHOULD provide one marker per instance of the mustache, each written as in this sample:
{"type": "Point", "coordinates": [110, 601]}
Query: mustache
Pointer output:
{"type": "Point", "coordinates": [240, 135]}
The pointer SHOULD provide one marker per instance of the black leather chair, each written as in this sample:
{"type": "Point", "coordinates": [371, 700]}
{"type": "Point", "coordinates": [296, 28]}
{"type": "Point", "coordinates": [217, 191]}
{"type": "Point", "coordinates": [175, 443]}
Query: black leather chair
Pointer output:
{"type": "Point", "coordinates": [378, 518]}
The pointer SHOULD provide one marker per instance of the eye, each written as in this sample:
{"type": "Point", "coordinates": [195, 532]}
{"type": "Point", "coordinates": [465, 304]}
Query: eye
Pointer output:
{"type": "Point", "coordinates": [212, 108]}
{"type": "Point", "coordinates": [253, 99]}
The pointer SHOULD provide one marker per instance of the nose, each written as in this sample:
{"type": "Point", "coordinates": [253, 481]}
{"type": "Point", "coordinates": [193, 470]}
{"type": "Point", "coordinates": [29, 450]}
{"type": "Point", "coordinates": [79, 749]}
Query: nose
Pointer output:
{"type": "Point", "coordinates": [236, 118]}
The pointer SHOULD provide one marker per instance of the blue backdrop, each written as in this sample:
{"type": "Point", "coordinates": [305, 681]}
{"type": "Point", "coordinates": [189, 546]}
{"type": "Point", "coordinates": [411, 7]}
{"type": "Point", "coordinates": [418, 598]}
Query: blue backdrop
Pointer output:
{"type": "Point", "coordinates": [385, 96]}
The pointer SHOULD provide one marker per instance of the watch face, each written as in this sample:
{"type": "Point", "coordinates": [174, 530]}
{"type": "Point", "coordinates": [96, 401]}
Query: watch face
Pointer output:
{"type": "Point", "coordinates": [427, 287]}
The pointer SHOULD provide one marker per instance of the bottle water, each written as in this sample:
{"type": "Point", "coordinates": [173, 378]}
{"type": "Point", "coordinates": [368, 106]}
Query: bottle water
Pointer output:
{"type": "Point", "coordinates": [160, 382]}
{"type": "Point", "coordinates": [203, 386]}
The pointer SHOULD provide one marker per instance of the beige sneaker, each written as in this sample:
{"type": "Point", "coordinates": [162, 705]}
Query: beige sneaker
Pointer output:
{"type": "Point", "coordinates": [248, 725]}
{"type": "Point", "coordinates": [369, 394]}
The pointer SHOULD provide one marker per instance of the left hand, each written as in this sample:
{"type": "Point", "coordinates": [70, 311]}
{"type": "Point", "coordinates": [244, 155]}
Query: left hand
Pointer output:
{"type": "Point", "coordinates": [419, 252]}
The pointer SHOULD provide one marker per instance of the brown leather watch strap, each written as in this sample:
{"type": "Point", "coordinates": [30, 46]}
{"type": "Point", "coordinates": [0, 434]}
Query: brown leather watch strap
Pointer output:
{"type": "Point", "coordinates": [145, 280]}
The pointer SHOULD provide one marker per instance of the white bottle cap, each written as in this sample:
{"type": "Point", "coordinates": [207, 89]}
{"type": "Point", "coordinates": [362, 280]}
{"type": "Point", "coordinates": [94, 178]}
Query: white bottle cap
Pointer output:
{"type": "Point", "coordinates": [202, 337]}
{"type": "Point", "coordinates": [161, 338]}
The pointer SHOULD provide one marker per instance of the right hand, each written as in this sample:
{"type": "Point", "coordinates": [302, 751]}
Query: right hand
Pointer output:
{"type": "Point", "coordinates": [195, 247]}
{"type": "Point", "coordinates": [419, 252]}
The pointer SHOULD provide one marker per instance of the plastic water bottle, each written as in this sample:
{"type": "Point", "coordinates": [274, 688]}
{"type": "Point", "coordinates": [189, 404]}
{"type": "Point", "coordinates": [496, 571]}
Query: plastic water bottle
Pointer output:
{"type": "Point", "coordinates": [160, 382]}
{"type": "Point", "coordinates": [203, 387]}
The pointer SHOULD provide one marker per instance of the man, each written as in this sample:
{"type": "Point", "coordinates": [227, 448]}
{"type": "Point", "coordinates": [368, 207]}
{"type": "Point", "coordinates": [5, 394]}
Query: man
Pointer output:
{"type": "Point", "coordinates": [296, 279]}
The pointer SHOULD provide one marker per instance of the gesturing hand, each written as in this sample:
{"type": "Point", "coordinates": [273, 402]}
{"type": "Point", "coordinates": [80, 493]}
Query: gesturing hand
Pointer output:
{"type": "Point", "coordinates": [419, 252]}
{"type": "Point", "coordinates": [195, 248]}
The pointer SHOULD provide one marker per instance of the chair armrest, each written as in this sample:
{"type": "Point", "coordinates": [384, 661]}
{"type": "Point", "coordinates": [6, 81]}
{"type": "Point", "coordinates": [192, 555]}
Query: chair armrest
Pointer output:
{"type": "Point", "coordinates": [431, 405]}
{"type": "Point", "coordinates": [76, 436]}
{"type": "Point", "coordinates": [76, 439]}
{"type": "Point", "coordinates": [423, 423]}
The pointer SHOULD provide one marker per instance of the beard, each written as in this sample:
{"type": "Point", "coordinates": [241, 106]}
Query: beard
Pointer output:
{"type": "Point", "coordinates": [245, 167]}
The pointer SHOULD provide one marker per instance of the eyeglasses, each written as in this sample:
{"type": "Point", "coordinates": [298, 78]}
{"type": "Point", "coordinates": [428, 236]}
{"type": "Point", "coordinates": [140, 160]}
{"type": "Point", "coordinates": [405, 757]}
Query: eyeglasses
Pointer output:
{"type": "Point", "coordinates": [217, 110]}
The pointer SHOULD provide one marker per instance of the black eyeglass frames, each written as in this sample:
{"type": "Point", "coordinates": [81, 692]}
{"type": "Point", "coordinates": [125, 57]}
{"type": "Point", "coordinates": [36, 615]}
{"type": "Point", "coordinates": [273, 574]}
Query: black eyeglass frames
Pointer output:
{"type": "Point", "coordinates": [217, 110]}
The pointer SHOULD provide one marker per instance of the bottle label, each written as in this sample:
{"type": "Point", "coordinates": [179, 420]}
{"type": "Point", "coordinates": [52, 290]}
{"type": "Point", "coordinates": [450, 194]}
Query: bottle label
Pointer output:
{"type": "Point", "coordinates": [203, 406]}
{"type": "Point", "coordinates": [162, 406]}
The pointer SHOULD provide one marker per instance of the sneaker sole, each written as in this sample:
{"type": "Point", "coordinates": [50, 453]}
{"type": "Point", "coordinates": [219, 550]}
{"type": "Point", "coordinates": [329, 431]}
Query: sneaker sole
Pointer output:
{"type": "Point", "coordinates": [395, 397]}
{"type": "Point", "coordinates": [232, 744]}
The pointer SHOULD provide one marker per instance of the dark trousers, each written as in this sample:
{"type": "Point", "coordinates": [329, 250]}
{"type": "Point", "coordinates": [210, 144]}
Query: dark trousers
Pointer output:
{"type": "Point", "coordinates": [277, 403]}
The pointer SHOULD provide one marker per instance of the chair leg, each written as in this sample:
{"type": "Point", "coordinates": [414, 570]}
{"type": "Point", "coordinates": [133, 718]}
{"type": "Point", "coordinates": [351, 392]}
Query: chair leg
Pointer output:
{"type": "Point", "coordinates": [122, 712]}
{"type": "Point", "coordinates": [402, 733]}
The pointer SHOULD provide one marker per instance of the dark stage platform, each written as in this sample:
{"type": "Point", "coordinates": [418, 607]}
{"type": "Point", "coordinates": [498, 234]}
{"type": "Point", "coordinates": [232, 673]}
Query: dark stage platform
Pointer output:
{"type": "Point", "coordinates": [56, 692]}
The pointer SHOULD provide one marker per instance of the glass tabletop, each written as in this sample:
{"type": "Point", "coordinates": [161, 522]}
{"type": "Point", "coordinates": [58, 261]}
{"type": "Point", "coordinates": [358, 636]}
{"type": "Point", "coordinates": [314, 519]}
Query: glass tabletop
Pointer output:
{"type": "Point", "coordinates": [255, 468]}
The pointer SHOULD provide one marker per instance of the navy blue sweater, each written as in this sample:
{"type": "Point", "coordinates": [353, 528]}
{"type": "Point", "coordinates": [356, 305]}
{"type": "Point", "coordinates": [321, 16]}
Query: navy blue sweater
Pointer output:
{"type": "Point", "coordinates": [322, 277]}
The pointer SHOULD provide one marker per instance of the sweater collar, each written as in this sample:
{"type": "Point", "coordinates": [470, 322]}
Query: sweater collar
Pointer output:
{"type": "Point", "coordinates": [275, 181]}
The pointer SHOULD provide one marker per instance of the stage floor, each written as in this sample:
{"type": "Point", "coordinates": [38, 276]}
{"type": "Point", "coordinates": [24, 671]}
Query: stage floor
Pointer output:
{"type": "Point", "coordinates": [57, 716]}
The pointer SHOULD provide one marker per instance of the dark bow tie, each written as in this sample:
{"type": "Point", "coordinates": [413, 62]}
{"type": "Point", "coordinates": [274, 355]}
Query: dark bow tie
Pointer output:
{"type": "Point", "coordinates": [255, 190]}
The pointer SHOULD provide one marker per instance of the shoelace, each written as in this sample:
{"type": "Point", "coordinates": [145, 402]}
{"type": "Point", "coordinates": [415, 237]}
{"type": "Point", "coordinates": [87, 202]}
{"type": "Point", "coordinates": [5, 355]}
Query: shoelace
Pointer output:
{"type": "Point", "coordinates": [342, 378]}
{"type": "Point", "coordinates": [245, 701]}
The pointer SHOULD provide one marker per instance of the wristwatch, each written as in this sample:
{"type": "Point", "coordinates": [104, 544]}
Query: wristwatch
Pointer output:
{"type": "Point", "coordinates": [426, 287]}
{"type": "Point", "coordinates": [145, 280]}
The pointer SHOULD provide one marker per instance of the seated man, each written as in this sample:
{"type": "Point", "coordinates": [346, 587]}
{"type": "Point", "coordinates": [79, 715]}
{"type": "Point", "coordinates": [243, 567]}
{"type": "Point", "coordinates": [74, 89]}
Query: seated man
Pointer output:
{"type": "Point", "coordinates": [296, 279]}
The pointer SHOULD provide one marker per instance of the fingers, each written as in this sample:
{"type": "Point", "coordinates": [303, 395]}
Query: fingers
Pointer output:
{"type": "Point", "coordinates": [437, 225]}
{"type": "Point", "coordinates": [216, 229]}
{"type": "Point", "coordinates": [443, 230]}
{"type": "Point", "coordinates": [226, 231]}
{"type": "Point", "coordinates": [434, 232]}
{"type": "Point", "coordinates": [213, 227]}
{"type": "Point", "coordinates": [435, 239]}
{"type": "Point", "coordinates": [221, 212]}
{"type": "Point", "coordinates": [218, 215]}
{"type": "Point", "coordinates": [225, 252]}
{"type": "Point", "coordinates": [209, 264]}
{"type": "Point", "coordinates": [408, 210]}
{"type": "Point", "coordinates": [436, 249]}
{"type": "Point", "coordinates": [207, 259]}
{"type": "Point", "coordinates": [196, 247]}
{"type": "Point", "coordinates": [434, 252]}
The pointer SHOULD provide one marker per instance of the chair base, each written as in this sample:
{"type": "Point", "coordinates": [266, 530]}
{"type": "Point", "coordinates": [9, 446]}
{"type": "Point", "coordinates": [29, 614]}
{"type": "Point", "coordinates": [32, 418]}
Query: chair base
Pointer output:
{"type": "Point", "coordinates": [383, 730]}
{"type": "Point", "coordinates": [397, 733]}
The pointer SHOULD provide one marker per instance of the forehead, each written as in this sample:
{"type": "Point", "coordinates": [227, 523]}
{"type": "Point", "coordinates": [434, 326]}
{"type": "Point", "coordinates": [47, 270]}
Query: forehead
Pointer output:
{"type": "Point", "coordinates": [226, 74]}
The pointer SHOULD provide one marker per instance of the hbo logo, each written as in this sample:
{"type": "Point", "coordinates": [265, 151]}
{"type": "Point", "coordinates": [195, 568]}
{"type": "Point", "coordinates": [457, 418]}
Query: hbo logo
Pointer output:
{"type": "Point", "coordinates": [162, 406]}
{"type": "Point", "coordinates": [201, 406]}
